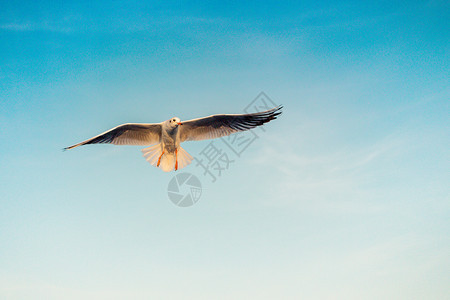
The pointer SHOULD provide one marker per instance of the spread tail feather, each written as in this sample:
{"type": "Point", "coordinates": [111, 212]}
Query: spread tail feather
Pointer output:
{"type": "Point", "coordinates": [167, 163]}
{"type": "Point", "coordinates": [184, 158]}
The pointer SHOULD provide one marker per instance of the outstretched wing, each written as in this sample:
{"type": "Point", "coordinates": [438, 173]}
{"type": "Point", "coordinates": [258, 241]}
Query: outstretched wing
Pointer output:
{"type": "Point", "coordinates": [126, 134]}
{"type": "Point", "coordinates": [222, 125]}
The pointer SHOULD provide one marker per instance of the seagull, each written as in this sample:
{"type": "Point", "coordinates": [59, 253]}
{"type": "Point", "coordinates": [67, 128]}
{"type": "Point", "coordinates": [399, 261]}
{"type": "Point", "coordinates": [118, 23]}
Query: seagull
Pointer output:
{"type": "Point", "coordinates": [166, 152]}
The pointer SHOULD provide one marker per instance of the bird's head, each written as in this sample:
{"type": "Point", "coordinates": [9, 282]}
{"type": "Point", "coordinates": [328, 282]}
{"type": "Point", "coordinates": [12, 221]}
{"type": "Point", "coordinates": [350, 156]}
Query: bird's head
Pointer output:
{"type": "Point", "coordinates": [175, 122]}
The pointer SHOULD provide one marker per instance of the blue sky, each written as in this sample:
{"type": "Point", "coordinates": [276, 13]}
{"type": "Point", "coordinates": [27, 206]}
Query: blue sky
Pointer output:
{"type": "Point", "coordinates": [344, 196]}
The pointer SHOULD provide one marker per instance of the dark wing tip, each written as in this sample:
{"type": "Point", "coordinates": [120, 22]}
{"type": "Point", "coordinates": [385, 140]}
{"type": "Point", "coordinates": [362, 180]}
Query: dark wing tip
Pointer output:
{"type": "Point", "coordinates": [277, 110]}
{"type": "Point", "coordinates": [250, 121]}
{"type": "Point", "coordinates": [70, 147]}
{"type": "Point", "coordinates": [272, 114]}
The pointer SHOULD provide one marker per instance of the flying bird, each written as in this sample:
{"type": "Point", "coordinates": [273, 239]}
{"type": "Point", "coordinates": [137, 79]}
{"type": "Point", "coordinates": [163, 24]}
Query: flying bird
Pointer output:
{"type": "Point", "coordinates": [167, 153]}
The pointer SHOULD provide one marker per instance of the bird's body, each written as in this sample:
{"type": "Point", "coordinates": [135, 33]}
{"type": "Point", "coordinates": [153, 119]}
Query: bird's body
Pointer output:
{"type": "Point", "coordinates": [166, 153]}
{"type": "Point", "coordinates": [170, 137]}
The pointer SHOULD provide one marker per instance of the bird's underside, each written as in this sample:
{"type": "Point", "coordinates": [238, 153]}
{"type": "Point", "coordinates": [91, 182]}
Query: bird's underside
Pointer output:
{"type": "Point", "coordinates": [165, 137]}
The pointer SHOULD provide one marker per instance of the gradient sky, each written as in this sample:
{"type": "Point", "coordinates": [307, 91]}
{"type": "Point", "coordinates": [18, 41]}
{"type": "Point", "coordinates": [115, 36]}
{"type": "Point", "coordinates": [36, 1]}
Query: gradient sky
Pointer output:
{"type": "Point", "coordinates": [345, 196]}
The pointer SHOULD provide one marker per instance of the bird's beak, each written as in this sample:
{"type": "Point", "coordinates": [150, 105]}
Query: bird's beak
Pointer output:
{"type": "Point", "coordinates": [179, 123]}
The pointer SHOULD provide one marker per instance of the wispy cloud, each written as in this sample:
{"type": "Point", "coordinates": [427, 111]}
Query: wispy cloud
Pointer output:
{"type": "Point", "coordinates": [17, 26]}
{"type": "Point", "coordinates": [77, 23]}
{"type": "Point", "coordinates": [36, 26]}
{"type": "Point", "coordinates": [339, 180]}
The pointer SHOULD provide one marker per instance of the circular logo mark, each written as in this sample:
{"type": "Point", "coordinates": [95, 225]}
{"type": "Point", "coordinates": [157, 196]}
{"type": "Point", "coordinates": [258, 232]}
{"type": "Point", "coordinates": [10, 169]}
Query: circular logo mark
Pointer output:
{"type": "Point", "coordinates": [184, 190]}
